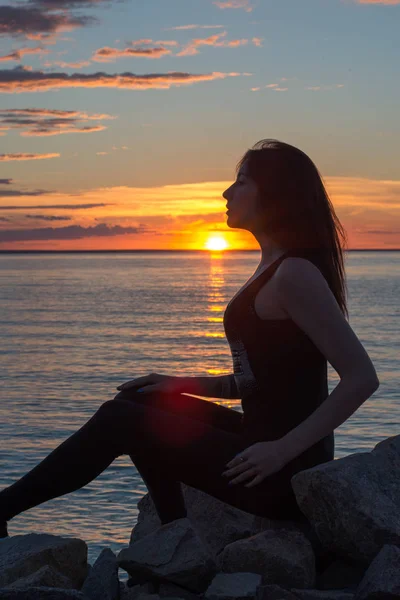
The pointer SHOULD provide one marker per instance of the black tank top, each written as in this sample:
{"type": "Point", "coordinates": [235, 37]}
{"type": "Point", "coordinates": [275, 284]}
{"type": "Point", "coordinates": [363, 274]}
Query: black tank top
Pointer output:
{"type": "Point", "coordinates": [280, 374]}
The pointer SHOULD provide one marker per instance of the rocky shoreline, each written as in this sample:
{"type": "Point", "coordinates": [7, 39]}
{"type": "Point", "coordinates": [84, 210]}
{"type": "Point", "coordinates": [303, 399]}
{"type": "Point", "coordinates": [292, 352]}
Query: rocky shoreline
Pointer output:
{"type": "Point", "coordinates": [347, 549]}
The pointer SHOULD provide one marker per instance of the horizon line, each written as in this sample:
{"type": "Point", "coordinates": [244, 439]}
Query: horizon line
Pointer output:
{"type": "Point", "coordinates": [205, 250]}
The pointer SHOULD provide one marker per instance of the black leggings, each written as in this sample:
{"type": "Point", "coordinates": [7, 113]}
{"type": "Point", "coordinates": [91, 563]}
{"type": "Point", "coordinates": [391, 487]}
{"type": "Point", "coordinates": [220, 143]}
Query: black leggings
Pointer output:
{"type": "Point", "coordinates": [171, 438]}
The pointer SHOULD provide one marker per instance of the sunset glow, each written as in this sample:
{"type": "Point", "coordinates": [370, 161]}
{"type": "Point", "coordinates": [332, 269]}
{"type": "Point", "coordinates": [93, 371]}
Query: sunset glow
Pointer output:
{"type": "Point", "coordinates": [125, 133]}
{"type": "Point", "coordinates": [216, 242]}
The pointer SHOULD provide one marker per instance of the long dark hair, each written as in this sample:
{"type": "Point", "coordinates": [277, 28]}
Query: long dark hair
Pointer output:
{"type": "Point", "coordinates": [295, 209]}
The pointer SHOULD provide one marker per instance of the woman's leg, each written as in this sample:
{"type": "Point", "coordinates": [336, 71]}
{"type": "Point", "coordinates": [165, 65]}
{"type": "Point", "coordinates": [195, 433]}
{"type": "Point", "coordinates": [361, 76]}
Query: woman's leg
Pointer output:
{"type": "Point", "coordinates": [165, 491]}
{"type": "Point", "coordinates": [120, 426]}
{"type": "Point", "coordinates": [164, 431]}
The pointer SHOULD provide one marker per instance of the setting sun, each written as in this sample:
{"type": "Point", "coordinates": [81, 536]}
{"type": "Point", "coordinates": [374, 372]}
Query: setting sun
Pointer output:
{"type": "Point", "coordinates": [216, 242]}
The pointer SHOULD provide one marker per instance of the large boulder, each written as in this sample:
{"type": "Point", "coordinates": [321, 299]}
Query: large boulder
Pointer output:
{"type": "Point", "coordinates": [102, 583]}
{"type": "Point", "coordinates": [41, 593]}
{"type": "Point", "coordinates": [46, 576]}
{"type": "Point", "coordinates": [23, 555]}
{"type": "Point", "coordinates": [233, 586]}
{"type": "Point", "coordinates": [173, 552]}
{"type": "Point", "coordinates": [353, 502]}
{"type": "Point", "coordinates": [215, 522]}
{"type": "Point", "coordinates": [382, 578]}
{"type": "Point", "coordinates": [283, 557]}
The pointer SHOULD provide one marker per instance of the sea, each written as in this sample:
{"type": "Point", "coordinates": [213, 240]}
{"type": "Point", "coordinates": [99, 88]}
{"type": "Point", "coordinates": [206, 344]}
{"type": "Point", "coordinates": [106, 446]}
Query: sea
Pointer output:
{"type": "Point", "coordinates": [74, 326]}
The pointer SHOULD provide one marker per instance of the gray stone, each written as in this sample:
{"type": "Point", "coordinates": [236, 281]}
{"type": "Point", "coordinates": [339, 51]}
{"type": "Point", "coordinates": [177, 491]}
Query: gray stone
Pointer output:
{"type": "Point", "coordinates": [216, 523]}
{"type": "Point", "coordinates": [174, 553]}
{"type": "Point", "coordinates": [40, 593]}
{"type": "Point", "coordinates": [271, 591]}
{"type": "Point", "coordinates": [135, 592]}
{"type": "Point", "coordinates": [283, 557]}
{"type": "Point", "coordinates": [46, 576]}
{"type": "Point", "coordinates": [382, 578]}
{"type": "Point", "coordinates": [129, 593]}
{"type": "Point", "coordinates": [322, 594]}
{"type": "Point", "coordinates": [168, 590]}
{"type": "Point", "coordinates": [149, 587]}
{"type": "Point", "coordinates": [341, 574]}
{"type": "Point", "coordinates": [102, 582]}
{"type": "Point", "coordinates": [233, 586]}
{"type": "Point", "coordinates": [23, 555]}
{"type": "Point", "coordinates": [352, 502]}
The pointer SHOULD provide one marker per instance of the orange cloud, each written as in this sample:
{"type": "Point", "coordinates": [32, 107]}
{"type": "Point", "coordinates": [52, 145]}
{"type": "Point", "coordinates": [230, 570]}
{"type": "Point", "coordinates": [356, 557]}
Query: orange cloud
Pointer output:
{"type": "Point", "coordinates": [235, 4]}
{"type": "Point", "coordinates": [192, 26]}
{"type": "Point", "coordinates": [17, 55]}
{"type": "Point", "coordinates": [106, 54]}
{"type": "Point", "coordinates": [26, 156]}
{"type": "Point", "coordinates": [182, 216]}
{"type": "Point", "coordinates": [22, 79]}
{"type": "Point", "coordinates": [47, 122]}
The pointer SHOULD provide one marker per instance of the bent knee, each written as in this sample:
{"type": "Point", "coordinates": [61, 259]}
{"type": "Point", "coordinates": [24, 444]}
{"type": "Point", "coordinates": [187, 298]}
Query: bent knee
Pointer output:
{"type": "Point", "coordinates": [115, 408]}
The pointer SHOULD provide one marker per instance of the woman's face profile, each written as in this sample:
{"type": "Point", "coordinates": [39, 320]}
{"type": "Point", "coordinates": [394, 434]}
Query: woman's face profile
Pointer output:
{"type": "Point", "coordinates": [241, 199]}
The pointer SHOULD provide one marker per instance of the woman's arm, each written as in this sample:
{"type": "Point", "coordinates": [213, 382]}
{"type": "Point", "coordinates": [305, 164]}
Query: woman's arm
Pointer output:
{"type": "Point", "coordinates": [305, 295]}
{"type": "Point", "coordinates": [220, 386]}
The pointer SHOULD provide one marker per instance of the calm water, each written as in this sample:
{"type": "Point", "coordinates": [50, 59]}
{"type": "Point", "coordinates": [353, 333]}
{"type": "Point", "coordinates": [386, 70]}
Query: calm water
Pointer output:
{"type": "Point", "coordinates": [75, 326]}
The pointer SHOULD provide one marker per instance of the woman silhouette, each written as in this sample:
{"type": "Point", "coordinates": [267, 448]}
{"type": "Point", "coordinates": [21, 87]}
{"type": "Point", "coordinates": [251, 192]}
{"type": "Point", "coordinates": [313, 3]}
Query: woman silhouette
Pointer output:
{"type": "Point", "coordinates": [283, 326]}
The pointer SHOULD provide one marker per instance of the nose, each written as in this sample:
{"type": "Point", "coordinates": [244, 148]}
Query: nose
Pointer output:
{"type": "Point", "coordinates": [225, 194]}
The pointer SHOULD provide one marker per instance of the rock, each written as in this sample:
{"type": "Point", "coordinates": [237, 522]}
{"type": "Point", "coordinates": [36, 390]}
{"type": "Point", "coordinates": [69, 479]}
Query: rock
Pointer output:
{"type": "Point", "coordinates": [382, 578]}
{"type": "Point", "coordinates": [23, 555]}
{"type": "Point", "coordinates": [136, 591]}
{"type": "Point", "coordinates": [274, 592]}
{"type": "Point", "coordinates": [352, 503]}
{"type": "Point", "coordinates": [130, 594]}
{"type": "Point", "coordinates": [284, 557]}
{"type": "Point", "coordinates": [102, 582]}
{"type": "Point", "coordinates": [339, 575]}
{"type": "Point", "coordinates": [143, 583]}
{"type": "Point", "coordinates": [233, 586]}
{"type": "Point", "coordinates": [173, 552]}
{"type": "Point", "coordinates": [322, 595]}
{"type": "Point", "coordinates": [169, 590]}
{"type": "Point", "coordinates": [46, 576]}
{"type": "Point", "coordinates": [216, 523]}
{"type": "Point", "coordinates": [40, 593]}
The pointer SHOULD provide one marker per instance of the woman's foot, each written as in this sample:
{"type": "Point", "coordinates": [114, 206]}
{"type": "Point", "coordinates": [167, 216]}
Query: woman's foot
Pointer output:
{"type": "Point", "coordinates": [3, 529]}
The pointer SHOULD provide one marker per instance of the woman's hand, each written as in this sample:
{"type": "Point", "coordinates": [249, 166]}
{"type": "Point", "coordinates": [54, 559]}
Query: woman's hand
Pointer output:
{"type": "Point", "coordinates": [261, 459]}
{"type": "Point", "coordinates": [154, 382]}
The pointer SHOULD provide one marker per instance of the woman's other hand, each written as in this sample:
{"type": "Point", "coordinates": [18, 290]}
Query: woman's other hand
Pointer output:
{"type": "Point", "coordinates": [154, 382]}
{"type": "Point", "coordinates": [255, 463]}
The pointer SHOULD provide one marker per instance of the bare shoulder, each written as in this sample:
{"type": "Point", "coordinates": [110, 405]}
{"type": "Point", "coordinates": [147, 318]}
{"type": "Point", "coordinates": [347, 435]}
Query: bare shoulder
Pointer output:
{"type": "Point", "coordinates": [307, 298]}
{"type": "Point", "coordinates": [300, 271]}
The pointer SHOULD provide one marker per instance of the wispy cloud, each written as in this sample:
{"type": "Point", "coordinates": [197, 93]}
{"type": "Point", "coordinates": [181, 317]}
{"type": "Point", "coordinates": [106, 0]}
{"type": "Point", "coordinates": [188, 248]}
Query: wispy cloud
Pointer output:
{"type": "Point", "coordinates": [192, 26]}
{"type": "Point", "coordinates": [71, 232]}
{"type": "Point", "coordinates": [245, 4]}
{"type": "Point", "coordinates": [22, 79]}
{"type": "Point", "coordinates": [213, 40]}
{"type": "Point", "coordinates": [48, 122]}
{"type": "Point", "coordinates": [320, 88]}
{"type": "Point", "coordinates": [35, 23]}
{"type": "Point", "coordinates": [186, 211]}
{"type": "Point", "coordinates": [107, 54]}
{"type": "Point", "coordinates": [26, 156]}
{"type": "Point", "coordinates": [48, 217]}
{"type": "Point", "coordinates": [17, 55]}
{"type": "Point", "coordinates": [52, 206]}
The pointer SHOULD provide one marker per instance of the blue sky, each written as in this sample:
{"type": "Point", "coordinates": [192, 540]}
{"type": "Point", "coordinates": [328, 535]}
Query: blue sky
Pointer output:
{"type": "Point", "coordinates": [191, 84]}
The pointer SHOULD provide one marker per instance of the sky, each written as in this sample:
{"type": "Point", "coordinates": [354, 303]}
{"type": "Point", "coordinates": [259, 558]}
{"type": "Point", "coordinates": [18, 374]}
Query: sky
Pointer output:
{"type": "Point", "coordinates": [122, 122]}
